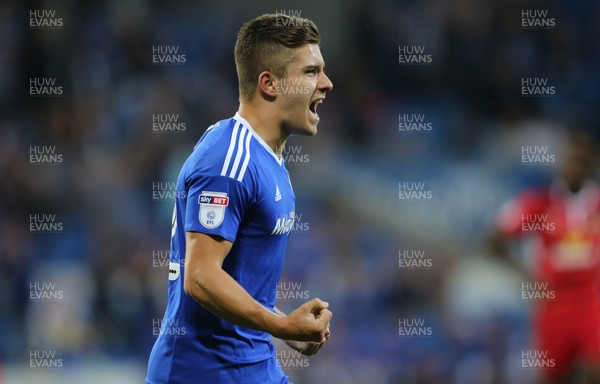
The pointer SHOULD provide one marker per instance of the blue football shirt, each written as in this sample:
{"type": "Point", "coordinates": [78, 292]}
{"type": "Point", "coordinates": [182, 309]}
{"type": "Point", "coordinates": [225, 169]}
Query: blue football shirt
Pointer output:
{"type": "Point", "coordinates": [233, 186]}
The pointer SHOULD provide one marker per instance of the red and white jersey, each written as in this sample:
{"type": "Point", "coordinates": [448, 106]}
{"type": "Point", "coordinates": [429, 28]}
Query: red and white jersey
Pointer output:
{"type": "Point", "coordinates": [565, 228]}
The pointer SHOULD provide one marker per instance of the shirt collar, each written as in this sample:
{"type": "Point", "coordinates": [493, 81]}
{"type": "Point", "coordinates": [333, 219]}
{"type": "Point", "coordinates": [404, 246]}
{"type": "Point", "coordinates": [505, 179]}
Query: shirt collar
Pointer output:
{"type": "Point", "coordinates": [246, 124]}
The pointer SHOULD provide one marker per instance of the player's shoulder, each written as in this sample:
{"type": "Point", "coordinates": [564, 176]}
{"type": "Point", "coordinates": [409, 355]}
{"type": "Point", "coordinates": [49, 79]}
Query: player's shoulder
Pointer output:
{"type": "Point", "coordinates": [223, 150]}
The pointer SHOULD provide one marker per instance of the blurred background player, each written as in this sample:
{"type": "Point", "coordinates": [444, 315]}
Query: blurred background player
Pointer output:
{"type": "Point", "coordinates": [562, 221]}
{"type": "Point", "coordinates": [233, 218]}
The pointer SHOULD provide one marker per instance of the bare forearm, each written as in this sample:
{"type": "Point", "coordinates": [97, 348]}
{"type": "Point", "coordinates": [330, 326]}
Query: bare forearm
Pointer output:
{"type": "Point", "coordinates": [212, 287]}
{"type": "Point", "coordinates": [218, 292]}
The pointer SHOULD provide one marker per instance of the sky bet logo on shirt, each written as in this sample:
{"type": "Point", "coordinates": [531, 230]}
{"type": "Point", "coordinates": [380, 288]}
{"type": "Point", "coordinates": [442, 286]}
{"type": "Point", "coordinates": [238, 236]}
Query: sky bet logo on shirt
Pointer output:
{"type": "Point", "coordinates": [212, 208]}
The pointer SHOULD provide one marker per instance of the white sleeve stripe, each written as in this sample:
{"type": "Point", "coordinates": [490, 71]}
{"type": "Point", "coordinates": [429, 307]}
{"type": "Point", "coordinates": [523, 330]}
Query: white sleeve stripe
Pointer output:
{"type": "Point", "coordinates": [230, 150]}
{"type": "Point", "coordinates": [238, 155]}
{"type": "Point", "coordinates": [246, 158]}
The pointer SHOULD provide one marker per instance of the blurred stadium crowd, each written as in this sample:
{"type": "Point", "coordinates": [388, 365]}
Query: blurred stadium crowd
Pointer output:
{"type": "Point", "coordinates": [109, 257]}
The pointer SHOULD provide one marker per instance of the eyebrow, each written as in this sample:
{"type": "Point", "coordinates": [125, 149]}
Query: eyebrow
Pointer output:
{"type": "Point", "coordinates": [315, 66]}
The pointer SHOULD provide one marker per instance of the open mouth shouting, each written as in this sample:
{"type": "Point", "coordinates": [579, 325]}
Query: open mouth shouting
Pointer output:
{"type": "Point", "coordinates": [312, 108]}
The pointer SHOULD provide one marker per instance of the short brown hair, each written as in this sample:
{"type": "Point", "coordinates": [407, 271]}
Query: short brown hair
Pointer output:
{"type": "Point", "coordinates": [266, 44]}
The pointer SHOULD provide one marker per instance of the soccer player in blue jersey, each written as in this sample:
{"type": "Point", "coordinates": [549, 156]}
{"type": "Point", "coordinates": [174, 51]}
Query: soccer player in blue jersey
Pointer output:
{"type": "Point", "coordinates": [234, 212]}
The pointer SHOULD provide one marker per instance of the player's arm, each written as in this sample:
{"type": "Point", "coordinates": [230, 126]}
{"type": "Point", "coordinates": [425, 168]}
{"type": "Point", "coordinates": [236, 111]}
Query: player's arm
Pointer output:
{"type": "Point", "coordinates": [212, 287]}
{"type": "Point", "coordinates": [307, 348]}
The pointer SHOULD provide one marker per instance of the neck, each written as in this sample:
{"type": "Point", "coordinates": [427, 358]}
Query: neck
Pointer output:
{"type": "Point", "coordinates": [265, 126]}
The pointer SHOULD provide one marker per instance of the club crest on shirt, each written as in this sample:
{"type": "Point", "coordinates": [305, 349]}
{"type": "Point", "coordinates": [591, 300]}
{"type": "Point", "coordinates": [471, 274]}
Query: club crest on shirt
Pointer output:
{"type": "Point", "coordinates": [212, 208]}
